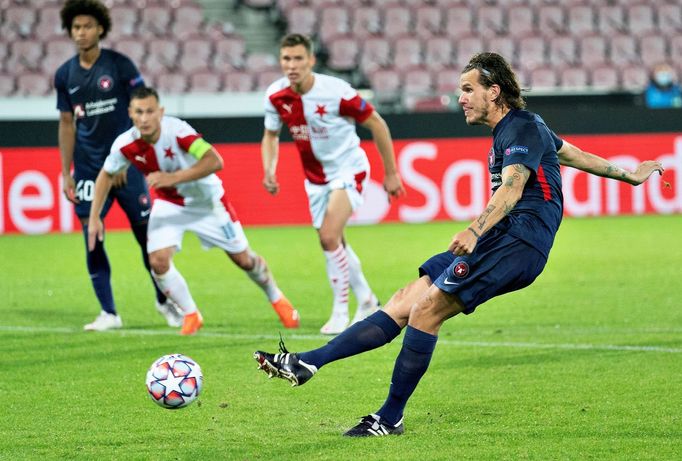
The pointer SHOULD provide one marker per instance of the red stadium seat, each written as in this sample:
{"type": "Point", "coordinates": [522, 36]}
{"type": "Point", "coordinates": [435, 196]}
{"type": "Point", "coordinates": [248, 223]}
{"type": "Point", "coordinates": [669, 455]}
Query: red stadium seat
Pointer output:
{"type": "Point", "coordinates": [438, 53]}
{"type": "Point", "coordinates": [386, 85]}
{"type": "Point", "coordinates": [343, 53]}
{"type": "Point", "coordinates": [189, 20]}
{"type": "Point", "coordinates": [653, 49]}
{"type": "Point", "coordinates": [57, 51]}
{"type": "Point", "coordinates": [447, 81]}
{"type": "Point", "coordinates": [466, 48]}
{"type": "Point", "coordinates": [593, 50]}
{"type": "Point", "coordinates": [676, 49]}
{"type": "Point", "coordinates": [634, 77]}
{"type": "Point", "coordinates": [641, 19]}
{"type": "Point", "coordinates": [124, 21]}
{"type": "Point", "coordinates": [491, 20]}
{"type": "Point", "coordinates": [624, 50]}
{"type": "Point", "coordinates": [205, 82]}
{"type": "Point", "coordinates": [25, 56]}
{"type": "Point", "coordinates": [574, 78]}
{"type": "Point", "coordinates": [162, 56]}
{"type": "Point", "coordinates": [551, 20]}
{"type": "Point", "coordinates": [375, 54]}
{"type": "Point", "coordinates": [407, 52]}
{"type": "Point", "coordinates": [230, 53]}
{"type": "Point", "coordinates": [260, 62]}
{"type": "Point", "coordinates": [504, 46]}
{"type": "Point", "coordinates": [581, 20]}
{"type": "Point", "coordinates": [670, 18]}
{"type": "Point", "coordinates": [521, 21]}
{"type": "Point", "coordinates": [428, 21]}
{"type": "Point", "coordinates": [366, 22]}
{"type": "Point", "coordinates": [49, 23]}
{"type": "Point", "coordinates": [18, 21]}
{"type": "Point", "coordinates": [171, 83]}
{"type": "Point", "coordinates": [155, 21]}
{"type": "Point", "coordinates": [7, 84]}
{"type": "Point", "coordinates": [33, 84]}
{"type": "Point", "coordinates": [543, 78]}
{"type": "Point", "coordinates": [563, 50]}
{"type": "Point", "coordinates": [302, 20]}
{"type": "Point", "coordinates": [238, 82]}
{"type": "Point", "coordinates": [611, 19]}
{"type": "Point", "coordinates": [459, 21]}
{"type": "Point", "coordinates": [531, 52]}
{"type": "Point", "coordinates": [197, 52]}
{"type": "Point", "coordinates": [265, 78]}
{"type": "Point", "coordinates": [605, 78]}
{"type": "Point", "coordinates": [397, 21]}
{"type": "Point", "coordinates": [334, 22]}
{"type": "Point", "coordinates": [418, 82]}
{"type": "Point", "coordinates": [133, 47]}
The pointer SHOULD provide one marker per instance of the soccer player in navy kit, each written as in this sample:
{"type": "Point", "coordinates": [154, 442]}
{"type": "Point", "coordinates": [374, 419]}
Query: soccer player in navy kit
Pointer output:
{"type": "Point", "coordinates": [504, 249]}
{"type": "Point", "coordinates": [93, 93]}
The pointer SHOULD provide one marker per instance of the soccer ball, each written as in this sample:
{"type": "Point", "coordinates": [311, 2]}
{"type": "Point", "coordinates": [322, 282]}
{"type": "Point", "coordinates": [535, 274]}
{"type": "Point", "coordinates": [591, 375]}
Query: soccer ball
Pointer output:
{"type": "Point", "coordinates": [174, 381]}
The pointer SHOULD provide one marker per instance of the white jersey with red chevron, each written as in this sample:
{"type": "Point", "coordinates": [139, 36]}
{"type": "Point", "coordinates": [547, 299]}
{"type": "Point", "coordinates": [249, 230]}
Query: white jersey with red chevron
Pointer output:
{"type": "Point", "coordinates": [322, 124]}
{"type": "Point", "coordinates": [170, 153]}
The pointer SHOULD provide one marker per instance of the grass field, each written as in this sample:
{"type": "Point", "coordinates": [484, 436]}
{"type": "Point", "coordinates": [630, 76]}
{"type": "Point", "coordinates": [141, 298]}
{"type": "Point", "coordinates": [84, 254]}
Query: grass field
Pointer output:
{"type": "Point", "coordinates": [586, 364]}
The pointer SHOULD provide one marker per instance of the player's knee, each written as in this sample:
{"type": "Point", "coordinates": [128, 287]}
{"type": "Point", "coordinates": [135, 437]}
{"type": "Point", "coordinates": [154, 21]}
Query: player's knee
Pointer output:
{"type": "Point", "coordinates": [330, 241]}
{"type": "Point", "coordinates": [160, 264]}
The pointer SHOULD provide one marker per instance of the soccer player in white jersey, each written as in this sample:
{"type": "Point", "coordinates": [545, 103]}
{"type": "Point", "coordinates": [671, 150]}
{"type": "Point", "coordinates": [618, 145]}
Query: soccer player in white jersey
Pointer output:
{"type": "Point", "coordinates": [181, 166]}
{"type": "Point", "coordinates": [321, 112]}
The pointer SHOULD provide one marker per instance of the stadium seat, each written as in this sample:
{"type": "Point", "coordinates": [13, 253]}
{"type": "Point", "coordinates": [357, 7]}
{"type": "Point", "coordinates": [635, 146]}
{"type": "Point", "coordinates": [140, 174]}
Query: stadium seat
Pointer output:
{"type": "Point", "coordinates": [343, 53]}
{"type": "Point", "coordinates": [459, 21]}
{"type": "Point", "coordinates": [563, 50]}
{"type": "Point", "coordinates": [188, 20]}
{"type": "Point", "coordinates": [386, 85]}
{"type": "Point", "coordinates": [265, 78]}
{"type": "Point", "coordinates": [133, 47]}
{"type": "Point", "coordinates": [334, 22]}
{"type": "Point", "coordinates": [155, 21]}
{"type": "Point", "coordinates": [418, 82]}
{"type": "Point", "coordinates": [238, 82]}
{"type": "Point", "coordinates": [196, 54]}
{"type": "Point", "coordinates": [230, 53]}
{"type": "Point", "coordinates": [521, 21]}
{"type": "Point", "coordinates": [605, 78]}
{"type": "Point", "coordinates": [542, 78]}
{"type": "Point", "coordinates": [438, 53]}
{"type": "Point", "coordinates": [33, 84]}
{"type": "Point", "coordinates": [49, 23]}
{"type": "Point", "coordinates": [670, 18]}
{"type": "Point", "coordinates": [171, 83]}
{"type": "Point", "coordinates": [490, 20]}
{"type": "Point", "coordinates": [581, 20]}
{"type": "Point", "coordinates": [25, 55]}
{"type": "Point", "coordinates": [611, 19]}
{"type": "Point", "coordinates": [653, 49]}
{"type": "Point", "coordinates": [366, 22]}
{"type": "Point", "coordinates": [574, 78]}
{"type": "Point", "coordinates": [407, 52]}
{"type": "Point", "coordinates": [504, 46]}
{"type": "Point", "coordinates": [624, 50]}
{"type": "Point", "coordinates": [676, 49]}
{"type": "Point", "coordinates": [7, 84]}
{"type": "Point", "coordinates": [428, 21]}
{"type": "Point", "coordinates": [641, 19]}
{"type": "Point", "coordinates": [375, 54]}
{"type": "Point", "coordinates": [205, 82]}
{"type": "Point", "coordinates": [162, 56]}
{"type": "Point", "coordinates": [124, 19]}
{"type": "Point", "coordinates": [18, 21]}
{"type": "Point", "coordinates": [551, 20]}
{"type": "Point", "coordinates": [466, 48]}
{"type": "Point", "coordinates": [397, 21]}
{"type": "Point", "coordinates": [531, 51]}
{"type": "Point", "coordinates": [302, 20]}
{"type": "Point", "coordinates": [634, 77]}
{"type": "Point", "coordinates": [447, 81]}
{"type": "Point", "coordinates": [261, 61]}
{"type": "Point", "coordinates": [593, 50]}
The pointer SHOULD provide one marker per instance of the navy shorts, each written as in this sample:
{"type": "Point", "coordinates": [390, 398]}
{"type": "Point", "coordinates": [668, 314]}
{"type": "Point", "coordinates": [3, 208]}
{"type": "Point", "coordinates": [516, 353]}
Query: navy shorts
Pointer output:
{"type": "Point", "coordinates": [133, 198]}
{"type": "Point", "coordinates": [500, 263]}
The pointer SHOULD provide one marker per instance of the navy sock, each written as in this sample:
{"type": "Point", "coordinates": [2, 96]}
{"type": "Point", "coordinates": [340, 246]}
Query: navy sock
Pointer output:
{"type": "Point", "coordinates": [140, 233]}
{"type": "Point", "coordinates": [100, 274]}
{"type": "Point", "coordinates": [410, 366]}
{"type": "Point", "coordinates": [374, 331]}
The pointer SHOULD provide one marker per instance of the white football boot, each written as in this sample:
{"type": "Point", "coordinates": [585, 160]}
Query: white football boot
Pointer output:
{"type": "Point", "coordinates": [104, 321]}
{"type": "Point", "coordinates": [336, 324]}
{"type": "Point", "coordinates": [171, 312]}
{"type": "Point", "coordinates": [366, 309]}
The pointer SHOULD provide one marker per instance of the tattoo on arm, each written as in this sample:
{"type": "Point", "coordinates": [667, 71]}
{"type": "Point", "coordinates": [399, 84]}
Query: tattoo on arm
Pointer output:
{"type": "Point", "coordinates": [476, 234]}
{"type": "Point", "coordinates": [484, 216]}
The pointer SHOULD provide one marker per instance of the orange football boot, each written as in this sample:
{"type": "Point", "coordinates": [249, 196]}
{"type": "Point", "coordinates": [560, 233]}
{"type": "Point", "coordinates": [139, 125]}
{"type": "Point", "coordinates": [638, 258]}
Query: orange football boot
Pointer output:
{"type": "Point", "coordinates": [286, 312]}
{"type": "Point", "coordinates": [191, 323]}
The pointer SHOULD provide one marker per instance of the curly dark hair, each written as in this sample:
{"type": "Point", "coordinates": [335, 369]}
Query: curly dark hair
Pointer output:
{"type": "Point", "coordinates": [495, 70]}
{"type": "Point", "coordinates": [94, 8]}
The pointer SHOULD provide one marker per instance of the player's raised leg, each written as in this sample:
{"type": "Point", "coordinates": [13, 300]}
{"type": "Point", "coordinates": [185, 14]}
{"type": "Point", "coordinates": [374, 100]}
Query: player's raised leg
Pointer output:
{"type": "Point", "coordinates": [173, 284]}
{"type": "Point", "coordinates": [257, 269]}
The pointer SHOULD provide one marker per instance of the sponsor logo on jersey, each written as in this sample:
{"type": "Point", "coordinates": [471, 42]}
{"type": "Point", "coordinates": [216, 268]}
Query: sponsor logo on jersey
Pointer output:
{"type": "Point", "coordinates": [287, 107]}
{"type": "Point", "coordinates": [105, 83]}
{"type": "Point", "coordinates": [102, 106]}
{"type": "Point", "coordinates": [74, 89]}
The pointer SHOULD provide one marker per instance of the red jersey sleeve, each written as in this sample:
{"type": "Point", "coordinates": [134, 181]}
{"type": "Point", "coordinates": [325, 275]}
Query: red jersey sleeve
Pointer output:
{"type": "Point", "coordinates": [356, 107]}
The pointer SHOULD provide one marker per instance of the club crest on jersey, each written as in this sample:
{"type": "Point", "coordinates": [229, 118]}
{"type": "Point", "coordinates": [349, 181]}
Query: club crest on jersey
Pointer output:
{"type": "Point", "coordinates": [78, 111]}
{"type": "Point", "coordinates": [321, 109]}
{"type": "Point", "coordinates": [460, 270]}
{"type": "Point", "coordinates": [105, 83]}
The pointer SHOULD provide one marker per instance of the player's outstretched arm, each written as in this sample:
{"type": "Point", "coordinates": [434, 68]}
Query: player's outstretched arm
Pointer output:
{"type": "Point", "coordinates": [381, 134]}
{"type": "Point", "coordinates": [270, 155]}
{"type": "Point", "coordinates": [103, 185]}
{"type": "Point", "coordinates": [67, 141]}
{"type": "Point", "coordinates": [570, 155]}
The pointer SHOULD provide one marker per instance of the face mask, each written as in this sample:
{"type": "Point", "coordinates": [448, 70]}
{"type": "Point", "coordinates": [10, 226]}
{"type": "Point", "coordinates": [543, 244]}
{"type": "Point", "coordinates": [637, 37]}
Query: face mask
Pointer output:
{"type": "Point", "coordinates": [663, 78]}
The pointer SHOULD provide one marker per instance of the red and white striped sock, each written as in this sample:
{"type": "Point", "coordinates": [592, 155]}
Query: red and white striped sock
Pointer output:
{"type": "Point", "coordinates": [338, 272]}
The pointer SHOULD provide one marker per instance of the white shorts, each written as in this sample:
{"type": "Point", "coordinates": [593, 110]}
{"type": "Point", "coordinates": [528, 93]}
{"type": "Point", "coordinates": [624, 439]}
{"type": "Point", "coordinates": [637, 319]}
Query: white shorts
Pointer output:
{"type": "Point", "coordinates": [318, 194]}
{"type": "Point", "coordinates": [214, 226]}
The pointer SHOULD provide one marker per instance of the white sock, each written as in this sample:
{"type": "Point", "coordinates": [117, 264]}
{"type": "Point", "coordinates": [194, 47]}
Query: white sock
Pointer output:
{"type": "Point", "coordinates": [358, 282]}
{"type": "Point", "coordinates": [173, 285]}
{"type": "Point", "coordinates": [338, 273]}
{"type": "Point", "coordinates": [262, 277]}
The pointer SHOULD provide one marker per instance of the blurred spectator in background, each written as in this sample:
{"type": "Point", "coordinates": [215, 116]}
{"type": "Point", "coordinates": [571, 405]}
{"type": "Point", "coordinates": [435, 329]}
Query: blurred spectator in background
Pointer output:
{"type": "Point", "coordinates": [663, 90]}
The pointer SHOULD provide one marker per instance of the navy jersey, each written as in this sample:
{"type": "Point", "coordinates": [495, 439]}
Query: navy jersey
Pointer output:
{"type": "Point", "coordinates": [98, 97]}
{"type": "Point", "coordinates": [522, 137]}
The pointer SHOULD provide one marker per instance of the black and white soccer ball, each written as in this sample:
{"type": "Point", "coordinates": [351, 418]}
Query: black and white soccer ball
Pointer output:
{"type": "Point", "coordinates": [174, 381]}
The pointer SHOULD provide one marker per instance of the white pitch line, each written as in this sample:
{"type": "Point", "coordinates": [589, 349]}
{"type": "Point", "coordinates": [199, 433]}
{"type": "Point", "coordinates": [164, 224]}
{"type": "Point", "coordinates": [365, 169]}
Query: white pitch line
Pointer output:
{"type": "Point", "coordinates": [443, 341]}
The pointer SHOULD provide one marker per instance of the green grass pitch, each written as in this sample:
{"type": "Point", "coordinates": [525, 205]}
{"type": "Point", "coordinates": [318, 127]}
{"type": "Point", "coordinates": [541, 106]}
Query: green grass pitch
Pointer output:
{"type": "Point", "coordinates": [585, 364]}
